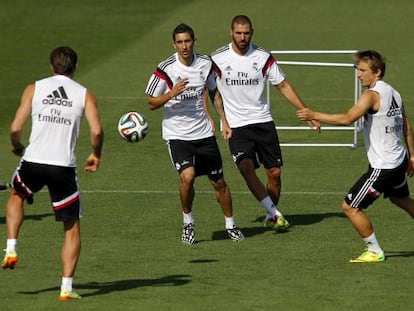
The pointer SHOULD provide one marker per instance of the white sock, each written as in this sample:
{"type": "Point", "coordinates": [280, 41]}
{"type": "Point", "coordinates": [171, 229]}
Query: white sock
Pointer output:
{"type": "Point", "coordinates": [188, 218]}
{"type": "Point", "coordinates": [270, 207]}
{"type": "Point", "coordinates": [11, 245]}
{"type": "Point", "coordinates": [372, 244]}
{"type": "Point", "coordinates": [229, 222]}
{"type": "Point", "coordinates": [66, 284]}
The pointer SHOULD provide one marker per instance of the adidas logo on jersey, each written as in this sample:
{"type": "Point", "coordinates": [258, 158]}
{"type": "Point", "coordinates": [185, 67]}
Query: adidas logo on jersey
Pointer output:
{"type": "Point", "coordinates": [58, 97]}
{"type": "Point", "coordinates": [394, 109]}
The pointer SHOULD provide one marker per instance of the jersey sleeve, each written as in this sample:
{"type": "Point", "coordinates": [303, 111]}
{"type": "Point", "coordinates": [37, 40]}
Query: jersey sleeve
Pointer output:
{"type": "Point", "coordinates": [211, 81]}
{"type": "Point", "coordinates": [274, 73]}
{"type": "Point", "coordinates": [158, 84]}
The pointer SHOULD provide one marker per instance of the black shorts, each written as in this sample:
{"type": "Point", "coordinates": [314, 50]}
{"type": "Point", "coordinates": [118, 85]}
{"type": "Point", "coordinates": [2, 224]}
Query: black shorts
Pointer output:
{"type": "Point", "coordinates": [62, 184]}
{"type": "Point", "coordinates": [370, 186]}
{"type": "Point", "coordinates": [202, 154]}
{"type": "Point", "coordinates": [258, 142]}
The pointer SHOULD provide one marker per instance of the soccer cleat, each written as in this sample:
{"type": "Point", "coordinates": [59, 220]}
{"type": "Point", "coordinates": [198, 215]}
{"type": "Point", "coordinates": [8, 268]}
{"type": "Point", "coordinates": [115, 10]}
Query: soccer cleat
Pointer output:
{"type": "Point", "coordinates": [4, 186]}
{"type": "Point", "coordinates": [278, 223]}
{"type": "Point", "coordinates": [235, 234]}
{"type": "Point", "coordinates": [369, 256]}
{"type": "Point", "coordinates": [188, 236]}
{"type": "Point", "coordinates": [10, 260]}
{"type": "Point", "coordinates": [68, 295]}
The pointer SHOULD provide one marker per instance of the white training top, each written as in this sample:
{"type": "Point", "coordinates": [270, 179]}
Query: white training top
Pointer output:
{"type": "Point", "coordinates": [57, 109]}
{"type": "Point", "coordinates": [241, 80]}
{"type": "Point", "coordinates": [383, 130]}
{"type": "Point", "coordinates": [184, 115]}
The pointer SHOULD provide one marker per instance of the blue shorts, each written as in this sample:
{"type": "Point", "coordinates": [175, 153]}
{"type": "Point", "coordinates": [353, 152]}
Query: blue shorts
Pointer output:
{"type": "Point", "coordinates": [62, 184]}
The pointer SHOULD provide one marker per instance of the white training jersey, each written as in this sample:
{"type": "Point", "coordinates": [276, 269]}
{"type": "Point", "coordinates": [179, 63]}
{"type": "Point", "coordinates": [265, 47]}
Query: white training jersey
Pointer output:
{"type": "Point", "coordinates": [241, 80]}
{"type": "Point", "coordinates": [383, 130]}
{"type": "Point", "coordinates": [57, 109]}
{"type": "Point", "coordinates": [184, 115]}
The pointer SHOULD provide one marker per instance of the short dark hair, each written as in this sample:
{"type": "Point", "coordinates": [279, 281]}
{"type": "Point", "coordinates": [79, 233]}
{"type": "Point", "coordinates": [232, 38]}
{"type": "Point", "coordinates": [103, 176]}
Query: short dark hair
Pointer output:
{"type": "Point", "coordinates": [63, 60]}
{"type": "Point", "coordinates": [241, 19]}
{"type": "Point", "coordinates": [374, 59]}
{"type": "Point", "coordinates": [183, 28]}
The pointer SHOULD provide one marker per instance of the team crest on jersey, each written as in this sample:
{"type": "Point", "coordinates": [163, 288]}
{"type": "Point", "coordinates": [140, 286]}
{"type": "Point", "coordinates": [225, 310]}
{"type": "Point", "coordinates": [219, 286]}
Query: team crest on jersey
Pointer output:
{"type": "Point", "coordinates": [255, 66]}
{"type": "Point", "coordinates": [228, 69]}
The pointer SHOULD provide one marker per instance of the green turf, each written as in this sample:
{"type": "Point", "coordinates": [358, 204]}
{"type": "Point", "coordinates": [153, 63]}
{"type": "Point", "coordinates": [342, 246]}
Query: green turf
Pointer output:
{"type": "Point", "coordinates": [132, 257]}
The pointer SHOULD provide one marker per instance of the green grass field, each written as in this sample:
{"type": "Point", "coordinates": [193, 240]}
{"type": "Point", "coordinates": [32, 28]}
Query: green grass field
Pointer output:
{"type": "Point", "coordinates": [132, 257]}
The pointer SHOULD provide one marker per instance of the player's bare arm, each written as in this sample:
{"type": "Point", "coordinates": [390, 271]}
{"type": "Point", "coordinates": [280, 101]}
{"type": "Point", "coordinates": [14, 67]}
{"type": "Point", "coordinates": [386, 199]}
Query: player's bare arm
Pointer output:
{"type": "Point", "coordinates": [96, 132]}
{"type": "Point", "coordinates": [226, 131]}
{"type": "Point", "coordinates": [409, 142]}
{"type": "Point", "coordinates": [368, 100]}
{"type": "Point", "coordinates": [207, 108]}
{"type": "Point", "coordinates": [155, 102]}
{"type": "Point", "coordinates": [22, 114]}
{"type": "Point", "coordinates": [288, 92]}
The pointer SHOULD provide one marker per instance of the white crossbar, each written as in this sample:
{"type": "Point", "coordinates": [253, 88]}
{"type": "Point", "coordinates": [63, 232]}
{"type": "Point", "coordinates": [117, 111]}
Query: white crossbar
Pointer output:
{"type": "Point", "coordinates": [314, 52]}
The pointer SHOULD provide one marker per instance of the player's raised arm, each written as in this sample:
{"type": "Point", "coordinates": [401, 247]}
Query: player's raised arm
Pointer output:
{"type": "Point", "coordinates": [366, 102]}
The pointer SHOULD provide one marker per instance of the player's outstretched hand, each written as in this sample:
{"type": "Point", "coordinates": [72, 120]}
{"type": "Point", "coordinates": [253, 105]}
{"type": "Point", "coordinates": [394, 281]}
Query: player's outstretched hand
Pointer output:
{"type": "Point", "coordinates": [307, 115]}
{"type": "Point", "coordinates": [314, 125]}
{"type": "Point", "coordinates": [92, 163]}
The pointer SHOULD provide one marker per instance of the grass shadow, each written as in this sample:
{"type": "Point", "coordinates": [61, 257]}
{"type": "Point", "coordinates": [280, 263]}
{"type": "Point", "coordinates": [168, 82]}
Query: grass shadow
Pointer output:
{"type": "Point", "coordinates": [36, 217]}
{"type": "Point", "coordinates": [310, 219]}
{"type": "Point", "coordinates": [294, 220]}
{"type": "Point", "coordinates": [399, 254]}
{"type": "Point", "coordinates": [96, 288]}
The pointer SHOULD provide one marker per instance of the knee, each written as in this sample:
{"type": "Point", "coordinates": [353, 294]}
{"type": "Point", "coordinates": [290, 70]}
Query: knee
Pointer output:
{"type": "Point", "coordinates": [274, 171]}
{"type": "Point", "coordinates": [187, 177]}
{"type": "Point", "coordinates": [348, 210]}
{"type": "Point", "coordinates": [219, 185]}
{"type": "Point", "coordinates": [273, 174]}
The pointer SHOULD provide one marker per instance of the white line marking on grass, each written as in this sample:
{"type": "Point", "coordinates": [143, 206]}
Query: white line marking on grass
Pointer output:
{"type": "Point", "coordinates": [210, 191]}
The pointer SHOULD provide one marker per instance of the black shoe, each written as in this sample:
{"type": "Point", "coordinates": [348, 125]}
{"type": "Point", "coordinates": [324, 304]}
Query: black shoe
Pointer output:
{"type": "Point", "coordinates": [235, 234]}
{"type": "Point", "coordinates": [188, 236]}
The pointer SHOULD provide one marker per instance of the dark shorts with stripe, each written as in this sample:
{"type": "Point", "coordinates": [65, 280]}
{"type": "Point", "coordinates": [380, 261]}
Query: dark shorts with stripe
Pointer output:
{"type": "Point", "coordinates": [61, 182]}
{"type": "Point", "coordinates": [258, 142]}
{"type": "Point", "coordinates": [370, 186]}
{"type": "Point", "coordinates": [202, 154]}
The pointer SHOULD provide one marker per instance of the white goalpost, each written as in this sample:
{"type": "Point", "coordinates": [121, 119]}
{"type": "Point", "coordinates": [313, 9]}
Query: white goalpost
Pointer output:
{"type": "Point", "coordinates": [357, 126]}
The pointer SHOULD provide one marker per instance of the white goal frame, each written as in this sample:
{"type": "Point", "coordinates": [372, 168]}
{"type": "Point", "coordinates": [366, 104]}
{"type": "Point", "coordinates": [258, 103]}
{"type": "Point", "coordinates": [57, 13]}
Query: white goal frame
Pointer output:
{"type": "Point", "coordinates": [357, 126]}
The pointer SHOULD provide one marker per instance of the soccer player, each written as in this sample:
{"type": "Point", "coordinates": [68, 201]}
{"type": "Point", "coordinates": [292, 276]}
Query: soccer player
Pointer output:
{"type": "Point", "coordinates": [242, 69]}
{"type": "Point", "coordinates": [56, 105]}
{"type": "Point", "coordinates": [179, 85]}
{"type": "Point", "coordinates": [385, 128]}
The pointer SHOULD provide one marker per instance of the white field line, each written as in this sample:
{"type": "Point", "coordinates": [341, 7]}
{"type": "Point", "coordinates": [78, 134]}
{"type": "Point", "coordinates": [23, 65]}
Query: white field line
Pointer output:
{"type": "Point", "coordinates": [207, 192]}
